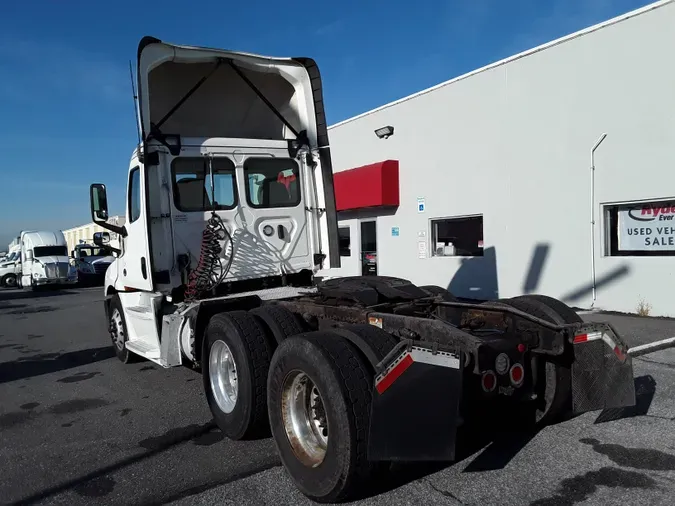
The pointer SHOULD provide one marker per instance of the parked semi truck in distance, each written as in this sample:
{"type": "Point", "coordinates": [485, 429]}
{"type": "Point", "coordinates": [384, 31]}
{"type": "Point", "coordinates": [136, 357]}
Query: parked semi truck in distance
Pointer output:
{"type": "Point", "coordinates": [44, 259]}
{"type": "Point", "coordinates": [231, 213]}
{"type": "Point", "coordinates": [10, 267]}
{"type": "Point", "coordinates": [89, 264]}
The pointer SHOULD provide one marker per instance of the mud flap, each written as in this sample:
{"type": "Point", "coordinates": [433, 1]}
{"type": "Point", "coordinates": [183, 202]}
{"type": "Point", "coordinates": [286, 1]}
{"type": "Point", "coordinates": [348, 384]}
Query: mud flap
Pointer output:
{"type": "Point", "coordinates": [602, 371]}
{"type": "Point", "coordinates": [415, 407]}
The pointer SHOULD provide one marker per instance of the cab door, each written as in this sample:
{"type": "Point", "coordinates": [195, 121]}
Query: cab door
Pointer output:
{"type": "Point", "coordinates": [136, 270]}
{"type": "Point", "coordinates": [273, 193]}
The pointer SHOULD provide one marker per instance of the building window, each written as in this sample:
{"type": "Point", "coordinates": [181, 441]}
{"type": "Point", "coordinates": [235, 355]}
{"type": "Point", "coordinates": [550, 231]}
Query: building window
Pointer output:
{"type": "Point", "coordinates": [640, 229]}
{"type": "Point", "coordinates": [344, 233]}
{"type": "Point", "coordinates": [272, 182]}
{"type": "Point", "coordinates": [192, 184]}
{"type": "Point", "coordinates": [457, 236]}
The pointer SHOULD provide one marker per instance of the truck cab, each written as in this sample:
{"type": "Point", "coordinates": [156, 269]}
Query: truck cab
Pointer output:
{"type": "Point", "coordinates": [44, 259]}
{"type": "Point", "coordinates": [90, 263]}
{"type": "Point", "coordinates": [231, 148]}
{"type": "Point", "coordinates": [10, 267]}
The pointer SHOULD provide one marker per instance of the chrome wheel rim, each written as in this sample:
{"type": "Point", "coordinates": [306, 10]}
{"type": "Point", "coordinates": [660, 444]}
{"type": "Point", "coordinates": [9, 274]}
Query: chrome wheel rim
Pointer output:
{"type": "Point", "coordinates": [304, 418]}
{"type": "Point", "coordinates": [223, 376]}
{"type": "Point", "coordinates": [117, 329]}
{"type": "Point", "coordinates": [10, 281]}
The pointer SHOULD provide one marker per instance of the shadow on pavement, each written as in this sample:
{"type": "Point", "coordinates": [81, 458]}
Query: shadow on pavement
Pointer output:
{"type": "Point", "coordinates": [37, 365]}
{"type": "Point", "coordinates": [96, 483]}
{"type": "Point", "coordinates": [645, 388]}
{"type": "Point", "coordinates": [6, 294]}
{"type": "Point", "coordinates": [486, 448]}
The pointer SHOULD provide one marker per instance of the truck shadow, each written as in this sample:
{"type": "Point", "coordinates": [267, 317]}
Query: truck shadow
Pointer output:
{"type": "Point", "coordinates": [47, 363]}
{"type": "Point", "coordinates": [645, 389]}
{"type": "Point", "coordinates": [12, 294]}
{"type": "Point", "coordinates": [483, 447]}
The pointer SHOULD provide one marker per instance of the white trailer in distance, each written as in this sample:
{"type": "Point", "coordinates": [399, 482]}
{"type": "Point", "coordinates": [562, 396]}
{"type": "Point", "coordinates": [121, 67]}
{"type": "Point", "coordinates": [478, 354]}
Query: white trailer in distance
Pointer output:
{"type": "Point", "coordinates": [230, 213]}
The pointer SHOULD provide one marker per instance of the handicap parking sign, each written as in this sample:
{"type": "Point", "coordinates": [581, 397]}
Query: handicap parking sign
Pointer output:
{"type": "Point", "coordinates": [420, 204]}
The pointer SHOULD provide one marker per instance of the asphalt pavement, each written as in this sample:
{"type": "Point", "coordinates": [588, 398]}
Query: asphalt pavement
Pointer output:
{"type": "Point", "coordinates": [79, 427]}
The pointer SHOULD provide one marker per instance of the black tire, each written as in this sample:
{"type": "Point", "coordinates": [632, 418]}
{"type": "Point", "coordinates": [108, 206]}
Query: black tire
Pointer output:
{"type": "Point", "coordinates": [245, 336]}
{"type": "Point", "coordinates": [344, 383]}
{"type": "Point", "coordinates": [380, 341]}
{"type": "Point", "coordinates": [280, 322]}
{"type": "Point", "coordinates": [121, 351]}
{"type": "Point", "coordinates": [9, 281]}
{"type": "Point", "coordinates": [566, 313]}
{"type": "Point", "coordinates": [555, 392]}
{"type": "Point", "coordinates": [437, 290]}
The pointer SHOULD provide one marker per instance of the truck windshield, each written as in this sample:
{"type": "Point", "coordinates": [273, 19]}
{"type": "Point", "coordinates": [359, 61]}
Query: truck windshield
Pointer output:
{"type": "Point", "coordinates": [50, 251]}
{"type": "Point", "coordinates": [91, 252]}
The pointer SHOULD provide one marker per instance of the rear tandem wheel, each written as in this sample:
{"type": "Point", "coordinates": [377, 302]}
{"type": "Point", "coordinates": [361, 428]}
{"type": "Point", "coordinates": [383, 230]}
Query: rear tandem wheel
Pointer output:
{"type": "Point", "coordinates": [554, 393]}
{"type": "Point", "coordinates": [319, 396]}
{"type": "Point", "coordinates": [236, 355]}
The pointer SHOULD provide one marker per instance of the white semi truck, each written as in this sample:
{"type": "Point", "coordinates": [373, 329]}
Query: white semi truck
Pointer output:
{"type": "Point", "coordinates": [89, 263]}
{"type": "Point", "coordinates": [230, 213]}
{"type": "Point", "coordinates": [44, 260]}
{"type": "Point", "coordinates": [10, 267]}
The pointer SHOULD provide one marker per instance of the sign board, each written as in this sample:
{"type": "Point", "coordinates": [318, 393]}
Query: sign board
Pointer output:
{"type": "Point", "coordinates": [394, 231]}
{"type": "Point", "coordinates": [421, 205]}
{"type": "Point", "coordinates": [647, 227]}
{"type": "Point", "coordinates": [421, 249]}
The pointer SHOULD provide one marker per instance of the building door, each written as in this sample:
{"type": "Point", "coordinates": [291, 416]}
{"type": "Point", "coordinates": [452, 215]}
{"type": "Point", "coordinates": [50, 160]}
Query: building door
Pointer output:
{"type": "Point", "coordinates": [369, 248]}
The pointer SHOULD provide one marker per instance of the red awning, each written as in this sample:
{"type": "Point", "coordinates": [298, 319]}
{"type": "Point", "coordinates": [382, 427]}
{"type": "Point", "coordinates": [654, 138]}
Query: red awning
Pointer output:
{"type": "Point", "coordinates": [374, 185]}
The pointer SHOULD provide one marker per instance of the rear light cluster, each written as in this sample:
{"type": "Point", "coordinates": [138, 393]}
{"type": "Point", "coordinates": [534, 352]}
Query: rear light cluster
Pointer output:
{"type": "Point", "coordinates": [503, 366]}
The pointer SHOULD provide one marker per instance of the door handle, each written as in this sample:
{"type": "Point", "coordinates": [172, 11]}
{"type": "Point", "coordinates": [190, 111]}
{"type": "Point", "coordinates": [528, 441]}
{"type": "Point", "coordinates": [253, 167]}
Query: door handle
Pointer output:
{"type": "Point", "coordinates": [281, 231]}
{"type": "Point", "coordinates": [144, 269]}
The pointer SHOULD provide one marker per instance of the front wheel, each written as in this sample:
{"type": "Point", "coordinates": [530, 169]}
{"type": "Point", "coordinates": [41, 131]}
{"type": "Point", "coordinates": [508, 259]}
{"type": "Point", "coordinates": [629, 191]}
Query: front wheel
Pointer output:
{"type": "Point", "coordinates": [319, 397]}
{"type": "Point", "coordinates": [9, 281]}
{"type": "Point", "coordinates": [117, 326]}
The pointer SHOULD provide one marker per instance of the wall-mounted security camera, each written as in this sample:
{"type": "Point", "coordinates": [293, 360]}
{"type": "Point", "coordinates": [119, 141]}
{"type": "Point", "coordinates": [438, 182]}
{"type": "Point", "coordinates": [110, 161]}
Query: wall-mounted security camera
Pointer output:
{"type": "Point", "coordinates": [385, 132]}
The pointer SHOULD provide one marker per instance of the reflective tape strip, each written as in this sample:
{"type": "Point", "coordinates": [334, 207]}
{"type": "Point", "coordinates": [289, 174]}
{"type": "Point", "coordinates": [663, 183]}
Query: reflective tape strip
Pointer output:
{"type": "Point", "coordinates": [391, 374]}
{"type": "Point", "coordinates": [584, 338]}
{"type": "Point", "coordinates": [442, 359]}
{"type": "Point", "coordinates": [594, 336]}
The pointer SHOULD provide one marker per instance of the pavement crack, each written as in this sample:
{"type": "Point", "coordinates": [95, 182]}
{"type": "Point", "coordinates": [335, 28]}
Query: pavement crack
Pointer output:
{"type": "Point", "coordinates": [444, 493]}
{"type": "Point", "coordinates": [658, 362]}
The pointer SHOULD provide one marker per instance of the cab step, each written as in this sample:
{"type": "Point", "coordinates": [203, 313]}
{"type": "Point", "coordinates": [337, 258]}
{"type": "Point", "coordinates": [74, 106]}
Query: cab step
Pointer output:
{"type": "Point", "coordinates": [144, 349]}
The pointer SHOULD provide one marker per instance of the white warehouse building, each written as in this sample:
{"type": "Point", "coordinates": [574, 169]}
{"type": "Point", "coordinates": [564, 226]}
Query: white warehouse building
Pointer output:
{"type": "Point", "coordinates": [484, 184]}
{"type": "Point", "coordinates": [85, 233]}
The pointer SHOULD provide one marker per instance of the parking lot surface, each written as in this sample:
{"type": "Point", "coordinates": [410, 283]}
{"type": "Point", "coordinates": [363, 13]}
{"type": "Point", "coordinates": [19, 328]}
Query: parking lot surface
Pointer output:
{"type": "Point", "coordinates": [79, 427]}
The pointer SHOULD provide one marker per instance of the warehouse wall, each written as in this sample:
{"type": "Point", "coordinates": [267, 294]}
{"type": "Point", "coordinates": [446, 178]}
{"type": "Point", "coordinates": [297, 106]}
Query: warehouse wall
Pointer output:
{"type": "Point", "coordinates": [513, 143]}
{"type": "Point", "coordinates": [86, 233]}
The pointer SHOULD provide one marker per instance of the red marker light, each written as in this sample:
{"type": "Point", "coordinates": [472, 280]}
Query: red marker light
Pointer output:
{"type": "Point", "coordinates": [517, 374]}
{"type": "Point", "coordinates": [489, 381]}
{"type": "Point", "coordinates": [521, 348]}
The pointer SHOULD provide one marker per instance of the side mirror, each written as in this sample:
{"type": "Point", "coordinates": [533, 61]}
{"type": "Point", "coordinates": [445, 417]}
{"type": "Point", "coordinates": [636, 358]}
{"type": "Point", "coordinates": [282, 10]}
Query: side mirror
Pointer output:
{"type": "Point", "coordinates": [102, 239]}
{"type": "Point", "coordinates": [98, 202]}
{"type": "Point", "coordinates": [29, 254]}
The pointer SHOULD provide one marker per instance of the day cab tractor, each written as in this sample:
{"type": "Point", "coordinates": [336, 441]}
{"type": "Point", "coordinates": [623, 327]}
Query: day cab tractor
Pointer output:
{"type": "Point", "coordinates": [230, 215]}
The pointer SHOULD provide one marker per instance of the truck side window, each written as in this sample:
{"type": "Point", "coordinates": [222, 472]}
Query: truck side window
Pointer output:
{"type": "Point", "coordinates": [134, 195]}
{"type": "Point", "coordinates": [192, 184]}
{"type": "Point", "coordinates": [272, 182]}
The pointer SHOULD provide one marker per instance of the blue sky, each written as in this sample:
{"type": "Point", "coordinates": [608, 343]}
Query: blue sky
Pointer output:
{"type": "Point", "coordinates": [65, 98]}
